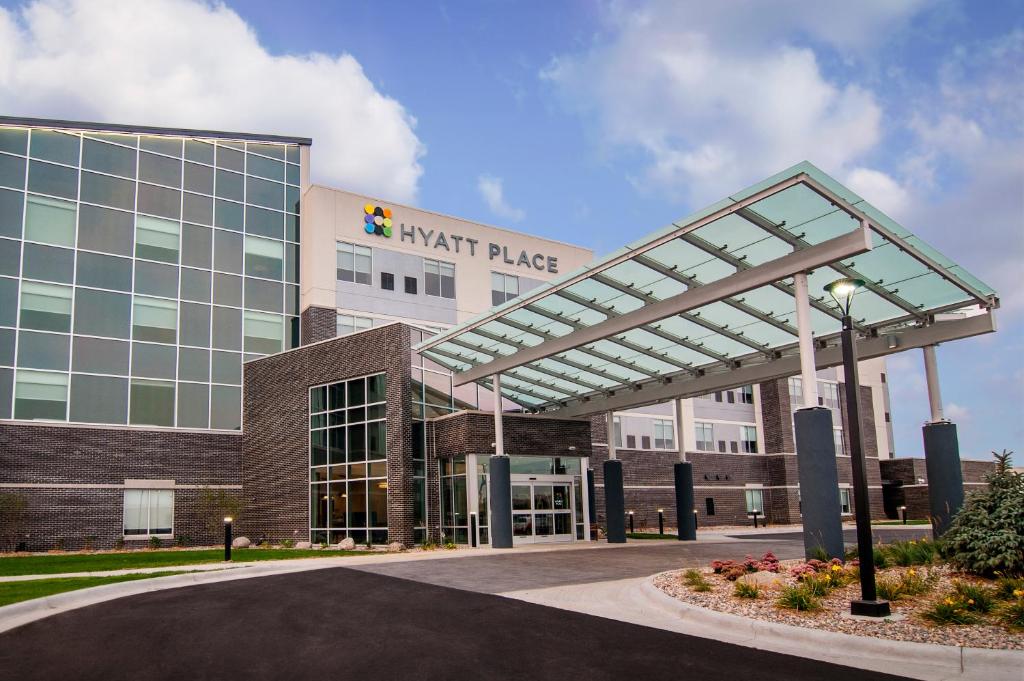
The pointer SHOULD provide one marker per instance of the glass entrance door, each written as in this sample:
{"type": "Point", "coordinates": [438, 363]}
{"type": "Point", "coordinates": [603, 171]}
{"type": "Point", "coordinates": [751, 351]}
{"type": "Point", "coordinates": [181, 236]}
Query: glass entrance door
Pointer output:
{"type": "Point", "coordinates": [542, 511]}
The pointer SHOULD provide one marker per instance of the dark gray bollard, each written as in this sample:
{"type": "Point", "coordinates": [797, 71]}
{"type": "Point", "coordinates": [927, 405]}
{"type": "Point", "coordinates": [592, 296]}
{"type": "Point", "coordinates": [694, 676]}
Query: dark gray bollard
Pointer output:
{"type": "Point", "coordinates": [945, 477]}
{"type": "Point", "coordinates": [501, 503]}
{"type": "Point", "coordinates": [686, 521]}
{"type": "Point", "coordinates": [614, 502]}
{"type": "Point", "coordinates": [819, 482]}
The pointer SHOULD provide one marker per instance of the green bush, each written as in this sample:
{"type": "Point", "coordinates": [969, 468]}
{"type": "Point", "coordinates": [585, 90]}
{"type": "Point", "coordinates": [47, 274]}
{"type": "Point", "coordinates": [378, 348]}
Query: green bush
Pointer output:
{"type": "Point", "coordinates": [1006, 586]}
{"type": "Point", "coordinates": [155, 543]}
{"type": "Point", "coordinates": [914, 583]}
{"type": "Point", "coordinates": [975, 597]}
{"type": "Point", "coordinates": [987, 536]}
{"type": "Point", "coordinates": [949, 610]}
{"type": "Point", "coordinates": [818, 585]}
{"type": "Point", "coordinates": [889, 588]}
{"type": "Point", "coordinates": [798, 598]}
{"type": "Point", "coordinates": [696, 581]}
{"type": "Point", "coordinates": [1012, 614]}
{"type": "Point", "coordinates": [746, 590]}
{"type": "Point", "coordinates": [912, 552]}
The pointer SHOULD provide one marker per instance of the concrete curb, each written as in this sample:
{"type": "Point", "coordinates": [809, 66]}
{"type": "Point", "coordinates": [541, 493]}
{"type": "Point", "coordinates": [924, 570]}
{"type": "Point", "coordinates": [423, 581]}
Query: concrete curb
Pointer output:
{"type": "Point", "coordinates": [916, 660]}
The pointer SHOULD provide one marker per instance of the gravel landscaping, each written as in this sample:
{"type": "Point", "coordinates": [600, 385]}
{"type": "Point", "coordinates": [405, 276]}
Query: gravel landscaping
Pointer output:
{"type": "Point", "coordinates": [912, 626]}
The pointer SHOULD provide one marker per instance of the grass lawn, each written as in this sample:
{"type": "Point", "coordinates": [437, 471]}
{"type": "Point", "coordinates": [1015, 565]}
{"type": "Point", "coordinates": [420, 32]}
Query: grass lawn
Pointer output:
{"type": "Point", "coordinates": [900, 522]}
{"type": "Point", "coordinates": [14, 592]}
{"type": "Point", "coordinates": [650, 535]}
{"type": "Point", "coordinates": [51, 564]}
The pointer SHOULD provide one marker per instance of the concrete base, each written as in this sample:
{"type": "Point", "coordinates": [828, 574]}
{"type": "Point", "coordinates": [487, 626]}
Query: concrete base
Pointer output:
{"type": "Point", "coordinates": [614, 502]}
{"type": "Point", "coordinates": [500, 484]}
{"type": "Point", "coordinates": [686, 520]}
{"type": "Point", "coordinates": [819, 482]}
{"type": "Point", "coordinates": [945, 477]}
{"type": "Point", "coordinates": [870, 609]}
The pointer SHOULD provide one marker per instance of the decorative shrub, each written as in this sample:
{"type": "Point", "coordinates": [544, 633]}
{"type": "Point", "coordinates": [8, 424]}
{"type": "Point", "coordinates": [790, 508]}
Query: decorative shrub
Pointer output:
{"type": "Point", "coordinates": [912, 552]}
{"type": "Point", "coordinates": [818, 585]}
{"type": "Point", "coordinates": [746, 590]}
{"type": "Point", "coordinates": [696, 581]}
{"type": "Point", "coordinates": [1007, 588]}
{"type": "Point", "coordinates": [1012, 614]}
{"type": "Point", "coordinates": [288, 543]}
{"type": "Point", "coordinates": [987, 536]}
{"type": "Point", "coordinates": [798, 598]}
{"type": "Point", "coordinates": [914, 583]}
{"type": "Point", "coordinates": [889, 588]}
{"type": "Point", "coordinates": [949, 610]}
{"type": "Point", "coordinates": [975, 597]}
{"type": "Point", "coordinates": [769, 563]}
{"type": "Point", "coordinates": [155, 543]}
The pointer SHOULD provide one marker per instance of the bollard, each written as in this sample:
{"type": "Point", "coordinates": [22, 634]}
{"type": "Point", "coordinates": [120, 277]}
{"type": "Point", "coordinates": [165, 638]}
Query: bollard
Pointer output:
{"type": "Point", "coordinates": [227, 538]}
{"type": "Point", "coordinates": [472, 529]}
{"type": "Point", "coordinates": [631, 529]}
{"type": "Point", "coordinates": [903, 514]}
{"type": "Point", "coordinates": [661, 521]}
{"type": "Point", "coordinates": [754, 513]}
{"type": "Point", "coordinates": [695, 519]}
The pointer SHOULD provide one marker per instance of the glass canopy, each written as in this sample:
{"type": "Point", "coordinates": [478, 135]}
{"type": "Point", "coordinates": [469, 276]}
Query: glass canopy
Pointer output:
{"type": "Point", "coordinates": [674, 306]}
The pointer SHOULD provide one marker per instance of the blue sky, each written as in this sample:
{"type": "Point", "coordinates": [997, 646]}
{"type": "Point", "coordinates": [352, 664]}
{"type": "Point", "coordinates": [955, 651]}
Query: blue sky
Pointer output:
{"type": "Point", "coordinates": [597, 122]}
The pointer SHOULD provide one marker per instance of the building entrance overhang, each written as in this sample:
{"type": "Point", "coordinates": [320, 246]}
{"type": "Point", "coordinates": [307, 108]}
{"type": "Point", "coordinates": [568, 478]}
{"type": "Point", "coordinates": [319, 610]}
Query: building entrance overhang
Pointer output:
{"type": "Point", "coordinates": [709, 303]}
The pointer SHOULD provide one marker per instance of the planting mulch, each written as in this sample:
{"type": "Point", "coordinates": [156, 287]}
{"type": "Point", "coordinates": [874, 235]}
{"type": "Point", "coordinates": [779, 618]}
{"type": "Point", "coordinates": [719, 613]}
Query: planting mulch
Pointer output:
{"type": "Point", "coordinates": [912, 627]}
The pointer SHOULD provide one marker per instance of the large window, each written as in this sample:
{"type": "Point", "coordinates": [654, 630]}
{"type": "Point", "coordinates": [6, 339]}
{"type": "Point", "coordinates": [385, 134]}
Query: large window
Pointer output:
{"type": "Point", "coordinates": [40, 395]}
{"type": "Point", "coordinates": [844, 501]}
{"type": "Point", "coordinates": [837, 440]}
{"type": "Point", "coordinates": [439, 278]}
{"type": "Point", "coordinates": [354, 263]}
{"type": "Point", "coordinates": [46, 307]}
{"type": "Point", "coordinates": [348, 323]}
{"type": "Point", "coordinates": [705, 435]}
{"type": "Point", "coordinates": [748, 439]}
{"type": "Point", "coordinates": [148, 513]}
{"type": "Point", "coordinates": [663, 434]}
{"type": "Point", "coordinates": [828, 394]}
{"type": "Point", "coordinates": [755, 500]}
{"type": "Point", "coordinates": [503, 287]}
{"type": "Point", "coordinates": [746, 394]}
{"type": "Point", "coordinates": [348, 461]}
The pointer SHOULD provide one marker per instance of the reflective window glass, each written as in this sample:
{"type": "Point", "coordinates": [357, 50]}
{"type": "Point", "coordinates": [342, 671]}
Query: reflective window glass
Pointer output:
{"type": "Point", "coordinates": [10, 257]}
{"type": "Point", "coordinates": [264, 222]}
{"type": "Point", "coordinates": [102, 313]}
{"type": "Point", "coordinates": [50, 221]}
{"type": "Point", "coordinates": [98, 399]}
{"type": "Point", "coordinates": [155, 279]}
{"type": "Point", "coordinates": [193, 405]}
{"type": "Point", "coordinates": [161, 145]}
{"type": "Point", "coordinates": [197, 208]}
{"type": "Point", "coordinates": [7, 348]}
{"type": "Point", "coordinates": [48, 263]}
{"type": "Point", "coordinates": [44, 350]}
{"type": "Point", "coordinates": [104, 271]}
{"type": "Point", "coordinates": [154, 361]}
{"type": "Point", "coordinates": [271, 150]}
{"type": "Point", "coordinates": [291, 299]}
{"type": "Point", "coordinates": [12, 172]}
{"type": "Point", "coordinates": [12, 206]}
{"type": "Point", "coordinates": [193, 364]}
{"type": "Point", "coordinates": [108, 191]}
{"type": "Point", "coordinates": [196, 246]}
{"type": "Point", "coordinates": [198, 178]}
{"type": "Point", "coordinates": [291, 265]}
{"type": "Point", "coordinates": [265, 167]}
{"type": "Point", "coordinates": [14, 140]}
{"type": "Point", "coordinates": [225, 367]}
{"type": "Point", "coordinates": [230, 158]}
{"type": "Point", "coordinates": [99, 355]}
{"type": "Point", "coordinates": [199, 151]}
{"type": "Point", "coordinates": [159, 170]}
{"type": "Point", "coordinates": [227, 251]}
{"type": "Point", "coordinates": [291, 199]}
{"type": "Point", "coordinates": [103, 229]}
{"type": "Point", "coordinates": [160, 201]}
{"type": "Point", "coordinates": [40, 395]}
{"type": "Point", "coordinates": [195, 325]}
{"type": "Point", "coordinates": [108, 158]}
{"type": "Point", "coordinates": [263, 332]}
{"type": "Point", "coordinates": [45, 306]}
{"type": "Point", "coordinates": [225, 407]}
{"type": "Point", "coordinates": [230, 185]}
{"type": "Point", "coordinates": [293, 174]}
{"type": "Point", "coordinates": [195, 285]}
{"type": "Point", "coordinates": [264, 295]}
{"type": "Point", "coordinates": [227, 328]}
{"type": "Point", "coordinates": [156, 239]}
{"type": "Point", "coordinates": [8, 301]}
{"type": "Point", "coordinates": [264, 257]}
{"type": "Point", "coordinates": [227, 290]}
{"type": "Point", "coordinates": [291, 227]}
{"type": "Point", "coordinates": [152, 402]}
{"type": "Point", "coordinates": [55, 146]}
{"type": "Point", "coordinates": [155, 320]}
{"type": "Point", "coordinates": [264, 193]}
{"type": "Point", "coordinates": [47, 178]}
{"type": "Point", "coordinates": [292, 151]}
{"type": "Point", "coordinates": [228, 215]}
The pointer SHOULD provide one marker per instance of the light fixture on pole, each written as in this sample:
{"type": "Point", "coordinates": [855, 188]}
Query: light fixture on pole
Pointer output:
{"type": "Point", "coordinates": [227, 537]}
{"type": "Point", "coordinates": [842, 291]}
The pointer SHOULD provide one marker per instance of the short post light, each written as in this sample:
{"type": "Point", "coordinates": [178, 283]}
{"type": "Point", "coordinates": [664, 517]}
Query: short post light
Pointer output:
{"type": "Point", "coordinates": [695, 519]}
{"type": "Point", "coordinates": [903, 514]}
{"type": "Point", "coordinates": [631, 528]}
{"type": "Point", "coordinates": [661, 521]}
{"type": "Point", "coordinates": [755, 512]}
{"type": "Point", "coordinates": [843, 291]}
{"type": "Point", "coordinates": [227, 537]}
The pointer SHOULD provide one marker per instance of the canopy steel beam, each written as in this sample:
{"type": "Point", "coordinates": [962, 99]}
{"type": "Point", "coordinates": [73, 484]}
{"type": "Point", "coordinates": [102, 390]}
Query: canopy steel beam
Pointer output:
{"type": "Point", "coordinates": [562, 360]}
{"type": "Point", "coordinates": [852, 243]}
{"type": "Point", "coordinates": [788, 365]}
{"type": "Point", "coordinates": [508, 374]}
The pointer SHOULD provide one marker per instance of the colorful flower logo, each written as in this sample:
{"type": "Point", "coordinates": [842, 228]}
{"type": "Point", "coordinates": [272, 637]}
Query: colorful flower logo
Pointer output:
{"type": "Point", "coordinates": [377, 220]}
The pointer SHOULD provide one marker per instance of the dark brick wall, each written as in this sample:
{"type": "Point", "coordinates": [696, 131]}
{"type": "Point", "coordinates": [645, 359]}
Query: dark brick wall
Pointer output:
{"type": "Point", "coordinates": [275, 441]}
{"type": "Point", "coordinates": [902, 475]}
{"type": "Point", "coordinates": [79, 455]}
{"type": "Point", "coordinates": [473, 433]}
{"type": "Point", "coordinates": [776, 416]}
{"type": "Point", "coordinates": [317, 324]}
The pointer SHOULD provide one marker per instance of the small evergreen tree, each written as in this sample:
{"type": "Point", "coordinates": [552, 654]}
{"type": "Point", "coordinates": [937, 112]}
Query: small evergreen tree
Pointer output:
{"type": "Point", "coordinates": [987, 535]}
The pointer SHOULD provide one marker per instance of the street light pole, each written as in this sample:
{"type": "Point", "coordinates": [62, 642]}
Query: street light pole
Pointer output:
{"type": "Point", "coordinates": [868, 605]}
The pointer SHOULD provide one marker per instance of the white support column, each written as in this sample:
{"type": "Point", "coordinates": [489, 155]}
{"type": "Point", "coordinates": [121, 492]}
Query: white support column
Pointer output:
{"type": "Point", "coordinates": [499, 433]}
{"type": "Point", "coordinates": [931, 374]}
{"type": "Point", "coordinates": [808, 374]}
{"type": "Point", "coordinates": [680, 421]}
{"type": "Point", "coordinates": [610, 417]}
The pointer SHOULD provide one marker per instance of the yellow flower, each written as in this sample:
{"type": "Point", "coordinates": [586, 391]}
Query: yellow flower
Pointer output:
{"type": "Point", "coordinates": [949, 601]}
{"type": "Point", "coordinates": [912, 541]}
{"type": "Point", "coordinates": [912, 573]}
{"type": "Point", "coordinates": [1018, 593]}
{"type": "Point", "coordinates": [970, 601]}
{"type": "Point", "coordinates": [836, 568]}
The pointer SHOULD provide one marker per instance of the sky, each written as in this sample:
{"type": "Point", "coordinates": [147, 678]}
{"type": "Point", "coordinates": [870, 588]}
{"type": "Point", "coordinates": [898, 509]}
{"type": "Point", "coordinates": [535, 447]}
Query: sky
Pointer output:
{"type": "Point", "coordinates": [598, 122]}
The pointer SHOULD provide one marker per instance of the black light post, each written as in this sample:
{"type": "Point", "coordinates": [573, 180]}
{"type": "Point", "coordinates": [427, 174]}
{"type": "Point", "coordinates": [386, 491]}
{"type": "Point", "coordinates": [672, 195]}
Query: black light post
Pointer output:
{"type": "Point", "coordinates": [227, 538]}
{"type": "Point", "coordinates": [755, 513]}
{"type": "Point", "coordinates": [661, 521]}
{"type": "Point", "coordinates": [695, 519]}
{"type": "Point", "coordinates": [903, 514]}
{"type": "Point", "coordinates": [631, 530]}
{"type": "Point", "coordinates": [842, 291]}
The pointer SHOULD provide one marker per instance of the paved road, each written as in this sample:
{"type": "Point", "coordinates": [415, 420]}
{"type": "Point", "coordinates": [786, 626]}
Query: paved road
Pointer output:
{"type": "Point", "coordinates": [341, 623]}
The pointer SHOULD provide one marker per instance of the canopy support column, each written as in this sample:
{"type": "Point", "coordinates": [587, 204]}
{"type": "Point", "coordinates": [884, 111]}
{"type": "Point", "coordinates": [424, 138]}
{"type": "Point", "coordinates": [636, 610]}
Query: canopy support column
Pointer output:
{"type": "Point", "coordinates": [941, 454]}
{"type": "Point", "coordinates": [614, 497]}
{"type": "Point", "coordinates": [815, 446]}
{"type": "Point", "coordinates": [686, 522]}
{"type": "Point", "coordinates": [500, 479]}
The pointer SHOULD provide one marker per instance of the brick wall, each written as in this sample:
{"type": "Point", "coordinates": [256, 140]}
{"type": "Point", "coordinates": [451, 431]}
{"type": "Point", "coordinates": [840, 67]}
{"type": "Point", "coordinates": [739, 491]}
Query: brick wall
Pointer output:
{"type": "Point", "coordinates": [275, 442]}
{"type": "Point", "coordinates": [902, 476]}
{"type": "Point", "coordinates": [472, 432]}
{"type": "Point", "coordinates": [317, 324]}
{"type": "Point", "coordinates": [69, 457]}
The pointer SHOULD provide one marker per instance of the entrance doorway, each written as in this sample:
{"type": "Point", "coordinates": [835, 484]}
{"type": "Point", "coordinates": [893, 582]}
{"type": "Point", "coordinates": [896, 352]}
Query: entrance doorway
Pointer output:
{"type": "Point", "coordinates": [543, 509]}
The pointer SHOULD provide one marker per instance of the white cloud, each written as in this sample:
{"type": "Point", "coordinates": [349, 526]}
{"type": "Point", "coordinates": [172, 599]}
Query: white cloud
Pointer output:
{"type": "Point", "coordinates": [880, 190]}
{"type": "Point", "coordinates": [492, 190]}
{"type": "Point", "coordinates": [712, 110]}
{"type": "Point", "coordinates": [955, 412]}
{"type": "Point", "coordinates": [186, 63]}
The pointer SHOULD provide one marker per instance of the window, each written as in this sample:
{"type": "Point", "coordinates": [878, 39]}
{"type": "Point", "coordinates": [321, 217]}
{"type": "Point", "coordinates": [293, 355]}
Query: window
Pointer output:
{"type": "Point", "coordinates": [730, 396]}
{"type": "Point", "coordinates": [748, 437]}
{"type": "Point", "coordinates": [152, 403]}
{"type": "Point", "coordinates": [148, 512]}
{"type": "Point", "coordinates": [387, 281]}
{"type": "Point", "coordinates": [631, 442]}
{"type": "Point", "coordinates": [837, 440]}
{"type": "Point", "coordinates": [755, 500]}
{"type": "Point", "coordinates": [503, 287]}
{"type": "Point", "coordinates": [663, 434]}
{"type": "Point", "coordinates": [353, 263]}
{"type": "Point", "coordinates": [410, 285]}
{"type": "Point", "coordinates": [828, 394]}
{"type": "Point", "coordinates": [796, 392]}
{"type": "Point", "coordinates": [50, 221]}
{"type": "Point", "coordinates": [350, 324]}
{"type": "Point", "coordinates": [747, 394]}
{"type": "Point", "coordinates": [705, 436]}
{"type": "Point", "coordinates": [844, 501]}
{"type": "Point", "coordinates": [439, 278]}
{"type": "Point", "coordinates": [721, 446]}
{"type": "Point", "coordinates": [40, 395]}
{"type": "Point", "coordinates": [156, 239]}
{"type": "Point", "coordinates": [645, 442]}
{"type": "Point", "coordinates": [734, 447]}
{"type": "Point", "coordinates": [264, 258]}
{"type": "Point", "coordinates": [46, 307]}
{"type": "Point", "coordinates": [617, 427]}
{"type": "Point", "coordinates": [709, 505]}
{"type": "Point", "coordinates": [155, 320]}
{"type": "Point", "coordinates": [264, 332]}
{"type": "Point", "coordinates": [718, 396]}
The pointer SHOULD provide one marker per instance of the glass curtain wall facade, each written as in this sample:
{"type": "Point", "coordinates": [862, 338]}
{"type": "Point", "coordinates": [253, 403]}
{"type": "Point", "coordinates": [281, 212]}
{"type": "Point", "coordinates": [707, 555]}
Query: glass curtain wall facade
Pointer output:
{"type": "Point", "coordinates": [138, 272]}
{"type": "Point", "coordinates": [348, 495]}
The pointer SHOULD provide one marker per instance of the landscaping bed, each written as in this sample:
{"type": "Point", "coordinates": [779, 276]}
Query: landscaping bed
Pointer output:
{"type": "Point", "coordinates": [935, 603]}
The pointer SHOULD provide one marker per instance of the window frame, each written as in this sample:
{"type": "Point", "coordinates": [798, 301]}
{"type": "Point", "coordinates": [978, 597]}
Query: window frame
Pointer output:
{"type": "Point", "coordinates": [354, 250]}
{"type": "Point", "coordinates": [440, 265]}
{"type": "Point", "coordinates": [149, 514]}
